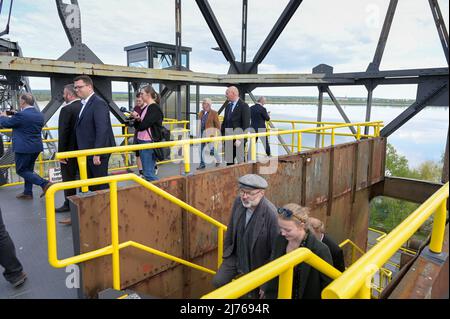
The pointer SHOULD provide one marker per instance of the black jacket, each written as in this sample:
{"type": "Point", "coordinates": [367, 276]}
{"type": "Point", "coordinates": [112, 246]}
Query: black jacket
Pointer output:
{"type": "Point", "coordinates": [153, 120]}
{"type": "Point", "coordinates": [259, 116]}
{"type": "Point", "coordinates": [93, 128]}
{"type": "Point", "coordinates": [67, 140]}
{"type": "Point", "coordinates": [336, 253]}
{"type": "Point", "coordinates": [240, 118]}
{"type": "Point", "coordinates": [311, 281]}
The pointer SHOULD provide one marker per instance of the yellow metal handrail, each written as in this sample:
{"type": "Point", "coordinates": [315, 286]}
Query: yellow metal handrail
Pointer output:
{"type": "Point", "coordinates": [82, 155]}
{"type": "Point", "coordinates": [355, 281]}
{"type": "Point", "coordinates": [115, 246]}
{"type": "Point", "coordinates": [283, 267]}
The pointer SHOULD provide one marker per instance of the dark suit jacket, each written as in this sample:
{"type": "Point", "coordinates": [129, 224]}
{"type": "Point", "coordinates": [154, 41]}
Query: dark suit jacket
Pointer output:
{"type": "Point", "coordinates": [259, 116]}
{"type": "Point", "coordinates": [93, 128]}
{"type": "Point", "coordinates": [265, 231]}
{"type": "Point", "coordinates": [336, 252]}
{"type": "Point", "coordinates": [68, 117]}
{"type": "Point", "coordinates": [27, 128]}
{"type": "Point", "coordinates": [312, 281]}
{"type": "Point", "coordinates": [240, 118]}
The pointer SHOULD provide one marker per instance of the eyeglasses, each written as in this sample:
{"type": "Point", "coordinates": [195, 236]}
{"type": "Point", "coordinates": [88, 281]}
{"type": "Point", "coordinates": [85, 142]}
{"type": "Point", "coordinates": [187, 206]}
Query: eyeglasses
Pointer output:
{"type": "Point", "coordinates": [287, 213]}
{"type": "Point", "coordinates": [243, 192]}
{"type": "Point", "coordinates": [79, 87]}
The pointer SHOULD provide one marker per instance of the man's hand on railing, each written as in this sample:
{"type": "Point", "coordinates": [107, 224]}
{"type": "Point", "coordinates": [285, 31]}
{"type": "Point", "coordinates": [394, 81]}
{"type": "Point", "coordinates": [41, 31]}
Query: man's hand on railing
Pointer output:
{"type": "Point", "coordinates": [63, 161]}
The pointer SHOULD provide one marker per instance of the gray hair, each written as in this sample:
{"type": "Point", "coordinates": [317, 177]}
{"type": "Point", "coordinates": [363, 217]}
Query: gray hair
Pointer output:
{"type": "Point", "coordinates": [207, 100]}
{"type": "Point", "coordinates": [28, 98]}
{"type": "Point", "coordinates": [71, 89]}
{"type": "Point", "coordinates": [261, 100]}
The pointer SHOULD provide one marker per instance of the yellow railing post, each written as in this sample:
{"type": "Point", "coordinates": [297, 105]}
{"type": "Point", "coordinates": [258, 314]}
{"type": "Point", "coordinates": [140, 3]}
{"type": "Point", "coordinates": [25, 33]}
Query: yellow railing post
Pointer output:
{"type": "Point", "coordinates": [253, 148]}
{"type": "Point", "coordinates": [41, 165]}
{"type": "Point", "coordinates": [219, 246]}
{"type": "Point", "coordinates": [126, 144]}
{"type": "Point", "coordinates": [364, 291]}
{"type": "Point", "coordinates": [115, 234]}
{"type": "Point", "coordinates": [293, 138]}
{"type": "Point", "coordinates": [285, 284]}
{"type": "Point", "coordinates": [299, 141]}
{"type": "Point", "coordinates": [332, 137]}
{"type": "Point", "coordinates": [323, 137]}
{"type": "Point", "coordinates": [437, 235]}
{"type": "Point", "coordinates": [82, 167]}
{"type": "Point", "coordinates": [358, 133]}
{"type": "Point", "coordinates": [187, 158]}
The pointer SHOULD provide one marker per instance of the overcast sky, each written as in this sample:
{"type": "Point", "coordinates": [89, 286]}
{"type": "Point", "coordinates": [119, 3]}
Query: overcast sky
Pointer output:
{"type": "Point", "coordinates": [341, 33]}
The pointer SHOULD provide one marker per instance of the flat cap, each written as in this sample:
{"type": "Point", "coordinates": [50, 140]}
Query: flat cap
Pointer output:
{"type": "Point", "coordinates": [252, 181]}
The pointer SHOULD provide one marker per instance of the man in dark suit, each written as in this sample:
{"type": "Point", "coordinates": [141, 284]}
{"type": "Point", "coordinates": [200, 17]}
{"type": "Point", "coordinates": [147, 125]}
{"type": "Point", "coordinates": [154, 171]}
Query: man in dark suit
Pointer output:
{"type": "Point", "coordinates": [93, 128]}
{"type": "Point", "coordinates": [251, 232]}
{"type": "Point", "coordinates": [337, 254]}
{"type": "Point", "coordinates": [259, 117]}
{"type": "Point", "coordinates": [27, 143]}
{"type": "Point", "coordinates": [236, 121]}
{"type": "Point", "coordinates": [67, 140]}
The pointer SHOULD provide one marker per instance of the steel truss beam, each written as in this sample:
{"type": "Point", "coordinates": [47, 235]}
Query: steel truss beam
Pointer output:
{"type": "Point", "coordinates": [217, 32]}
{"type": "Point", "coordinates": [414, 109]}
{"type": "Point", "coordinates": [440, 25]}
{"type": "Point", "coordinates": [375, 65]}
{"type": "Point", "coordinates": [274, 34]}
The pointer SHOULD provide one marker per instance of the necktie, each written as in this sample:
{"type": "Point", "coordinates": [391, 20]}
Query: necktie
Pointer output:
{"type": "Point", "coordinates": [230, 110]}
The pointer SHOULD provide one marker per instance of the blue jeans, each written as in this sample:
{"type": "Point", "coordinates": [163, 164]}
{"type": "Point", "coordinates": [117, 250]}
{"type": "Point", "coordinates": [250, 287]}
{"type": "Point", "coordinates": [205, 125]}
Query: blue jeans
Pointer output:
{"type": "Point", "coordinates": [148, 160]}
{"type": "Point", "coordinates": [25, 169]}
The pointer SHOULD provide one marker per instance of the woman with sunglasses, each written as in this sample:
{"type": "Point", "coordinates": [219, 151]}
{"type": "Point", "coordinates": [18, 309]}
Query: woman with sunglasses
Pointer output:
{"type": "Point", "coordinates": [308, 282]}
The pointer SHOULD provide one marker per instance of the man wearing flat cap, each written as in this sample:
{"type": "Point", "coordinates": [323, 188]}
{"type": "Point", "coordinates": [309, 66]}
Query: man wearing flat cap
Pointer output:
{"type": "Point", "coordinates": [251, 232]}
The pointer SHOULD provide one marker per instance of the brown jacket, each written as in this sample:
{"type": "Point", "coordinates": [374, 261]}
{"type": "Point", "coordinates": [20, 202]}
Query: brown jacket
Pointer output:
{"type": "Point", "coordinates": [212, 121]}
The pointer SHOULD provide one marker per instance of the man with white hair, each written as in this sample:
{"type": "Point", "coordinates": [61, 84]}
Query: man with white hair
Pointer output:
{"type": "Point", "coordinates": [209, 125]}
{"type": "Point", "coordinates": [235, 122]}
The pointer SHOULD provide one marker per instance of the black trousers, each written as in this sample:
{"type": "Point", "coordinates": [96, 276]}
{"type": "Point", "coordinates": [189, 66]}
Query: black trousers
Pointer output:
{"type": "Point", "coordinates": [8, 259]}
{"type": "Point", "coordinates": [69, 173]}
{"type": "Point", "coordinates": [98, 171]}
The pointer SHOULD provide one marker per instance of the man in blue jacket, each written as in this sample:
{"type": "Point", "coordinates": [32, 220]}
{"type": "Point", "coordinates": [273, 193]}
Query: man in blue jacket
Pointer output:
{"type": "Point", "coordinates": [26, 143]}
{"type": "Point", "coordinates": [93, 128]}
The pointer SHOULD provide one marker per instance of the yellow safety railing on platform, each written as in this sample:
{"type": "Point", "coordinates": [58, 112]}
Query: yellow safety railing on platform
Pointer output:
{"type": "Point", "coordinates": [355, 281]}
{"type": "Point", "coordinates": [283, 267]}
{"type": "Point", "coordinates": [116, 246]}
{"type": "Point", "coordinates": [185, 145]}
{"type": "Point", "coordinates": [41, 163]}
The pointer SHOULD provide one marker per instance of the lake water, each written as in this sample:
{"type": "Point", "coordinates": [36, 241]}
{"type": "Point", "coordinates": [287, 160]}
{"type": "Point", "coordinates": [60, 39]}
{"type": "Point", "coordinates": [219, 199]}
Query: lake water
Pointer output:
{"type": "Point", "coordinates": [422, 138]}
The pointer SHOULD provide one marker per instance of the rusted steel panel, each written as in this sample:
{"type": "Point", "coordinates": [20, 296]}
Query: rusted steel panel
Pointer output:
{"type": "Point", "coordinates": [145, 218]}
{"type": "Point", "coordinates": [200, 283]}
{"type": "Point", "coordinates": [339, 223]}
{"type": "Point", "coordinates": [165, 285]}
{"type": "Point", "coordinates": [360, 219]}
{"type": "Point", "coordinates": [378, 160]}
{"type": "Point", "coordinates": [286, 185]}
{"type": "Point", "coordinates": [363, 164]}
{"type": "Point", "coordinates": [343, 169]}
{"type": "Point", "coordinates": [425, 279]}
{"type": "Point", "coordinates": [317, 177]}
{"type": "Point", "coordinates": [212, 192]}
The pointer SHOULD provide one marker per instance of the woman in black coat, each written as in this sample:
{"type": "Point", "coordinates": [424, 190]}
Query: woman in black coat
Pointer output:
{"type": "Point", "coordinates": [147, 126]}
{"type": "Point", "coordinates": [308, 282]}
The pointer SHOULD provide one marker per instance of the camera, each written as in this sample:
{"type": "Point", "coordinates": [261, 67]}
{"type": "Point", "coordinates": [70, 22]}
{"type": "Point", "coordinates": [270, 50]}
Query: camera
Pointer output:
{"type": "Point", "coordinates": [130, 120]}
{"type": "Point", "coordinates": [11, 112]}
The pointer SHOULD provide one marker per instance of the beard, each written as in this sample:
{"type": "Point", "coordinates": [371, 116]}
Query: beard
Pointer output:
{"type": "Point", "coordinates": [250, 203]}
